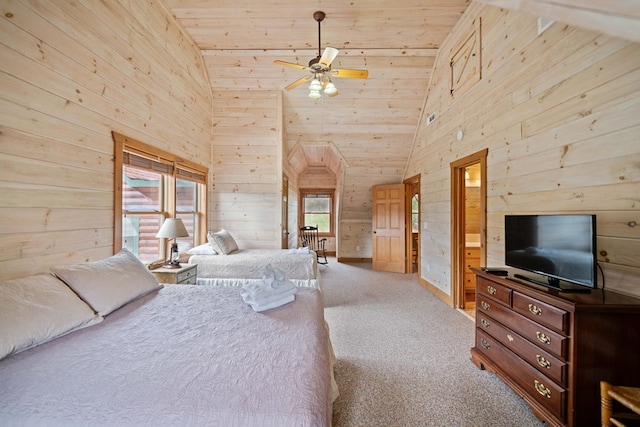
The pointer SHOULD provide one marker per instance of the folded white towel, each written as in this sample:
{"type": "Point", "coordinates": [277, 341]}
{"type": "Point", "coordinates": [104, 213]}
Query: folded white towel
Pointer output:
{"type": "Point", "coordinates": [257, 293]}
{"type": "Point", "coordinates": [272, 291]}
{"type": "Point", "coordinates": [258, 307]}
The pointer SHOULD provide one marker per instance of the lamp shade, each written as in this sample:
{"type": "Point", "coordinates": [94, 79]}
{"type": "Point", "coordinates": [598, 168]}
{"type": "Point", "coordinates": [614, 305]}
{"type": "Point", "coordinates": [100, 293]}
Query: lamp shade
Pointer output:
{"type": "Point", "coordinates": [315, 85]}
{"type": "Point", "coordinates": [172, 228]}
{"type": "Point", "coordinates": [330, 89]}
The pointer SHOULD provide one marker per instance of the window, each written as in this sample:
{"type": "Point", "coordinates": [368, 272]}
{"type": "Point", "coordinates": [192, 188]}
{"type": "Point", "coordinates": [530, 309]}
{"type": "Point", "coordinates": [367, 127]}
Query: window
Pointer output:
{"type": "Point", "coordinates": [415, 213]}
{"type": "Point", "coordinates": [316, 209]}
{"type": "Point", "coordinates": [156, 185]}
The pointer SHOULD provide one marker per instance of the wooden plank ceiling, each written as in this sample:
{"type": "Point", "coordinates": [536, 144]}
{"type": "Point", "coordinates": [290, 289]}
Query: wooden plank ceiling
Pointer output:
{"type": "Point", "coordinates": [371, 123]}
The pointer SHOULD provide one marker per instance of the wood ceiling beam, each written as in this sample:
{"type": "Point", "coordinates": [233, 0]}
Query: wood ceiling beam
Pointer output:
{"type": "Point", "coordinates": [619, 18]}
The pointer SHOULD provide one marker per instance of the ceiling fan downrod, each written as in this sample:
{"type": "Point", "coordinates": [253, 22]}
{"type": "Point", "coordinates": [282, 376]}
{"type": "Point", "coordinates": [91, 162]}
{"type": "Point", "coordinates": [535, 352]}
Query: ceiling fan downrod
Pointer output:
{"type": "Point", "coordinates": [319, 17]}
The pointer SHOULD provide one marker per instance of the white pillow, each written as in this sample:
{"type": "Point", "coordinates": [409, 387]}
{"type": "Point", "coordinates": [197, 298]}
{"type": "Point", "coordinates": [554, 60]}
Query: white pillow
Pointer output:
{"type": "Point", "coordinates": [213, 243]}
{"type": "Point", "coordinates": [37, 309]}
{"type": "Point", "coordinates": [205, 249]}
{"type": "Point", "coordinates": [224, 241]}
{"type": "Point", "coordinates": [108, 284]}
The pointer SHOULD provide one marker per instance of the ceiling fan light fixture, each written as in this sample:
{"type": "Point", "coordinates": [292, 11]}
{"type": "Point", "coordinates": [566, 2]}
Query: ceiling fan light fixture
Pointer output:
{"type": "Point", "coordinates": [330, 89]}
{"type": "Point", "coordinates": [315, 94]}
{"type": "Point", "coordinates": [315, 85]}
{"type": "Point", "coordinates": [320, 68]}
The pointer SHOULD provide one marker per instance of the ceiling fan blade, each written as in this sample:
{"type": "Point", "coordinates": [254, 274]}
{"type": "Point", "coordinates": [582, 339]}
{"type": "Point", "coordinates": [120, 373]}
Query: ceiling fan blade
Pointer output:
{"type": "Point", "coordinates": [350, 74]}
{"type": "Point", "coordinates": [328, 56]}
{"type": "Point", "coordinates": [290, 64]}
{"type": "Point", "coordinates": [299, 82]}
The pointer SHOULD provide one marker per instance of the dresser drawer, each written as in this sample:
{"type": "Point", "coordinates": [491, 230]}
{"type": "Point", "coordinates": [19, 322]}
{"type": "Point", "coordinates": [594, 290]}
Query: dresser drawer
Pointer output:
{"type": "Point", "coordinates": [187, 277]}
{"type": "Point", "coordinates": [543, 361]}
{"type": "Point", "coordinates": [494, 290]}
{"type": "Point", "coordinates": [544, 338]}
{"type": "Point", "coordinates": [540, 388]}
{"type": "Point", "coordinates": [469, 282]}
{"type": "Point", "coordinates": [541, 312]}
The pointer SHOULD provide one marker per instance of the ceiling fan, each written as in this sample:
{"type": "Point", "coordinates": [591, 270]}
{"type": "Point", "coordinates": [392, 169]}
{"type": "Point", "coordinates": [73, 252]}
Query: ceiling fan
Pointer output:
{"type": "Point", "coordinates": [320, 69]}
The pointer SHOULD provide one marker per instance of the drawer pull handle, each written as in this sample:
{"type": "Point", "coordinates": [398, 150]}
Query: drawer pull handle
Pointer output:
{"type": "Point", "coordinates": [540, 388]}
{"type": "Point", "coordinates": [485, 323]}
{"type": "Point", "coordinates": [543, 362]}
{"type": "Point", "coordinates": [485, 305]}
{"type": "Point", "coordinates": [543, 338]}
{"type": "Point", "coordinates": [485, 344]}
{"type": "Point", "coordinates": [535, 310]}
{"type": "Point", "coordinates": [491, 290]}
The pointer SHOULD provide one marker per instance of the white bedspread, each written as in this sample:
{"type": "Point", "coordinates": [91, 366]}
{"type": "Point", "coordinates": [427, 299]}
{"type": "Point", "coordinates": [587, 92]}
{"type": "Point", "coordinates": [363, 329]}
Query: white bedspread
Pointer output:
{"type": "Point", "coordinates": [246, 265]}
{"type": "Point", "coordinates": [186, 355]}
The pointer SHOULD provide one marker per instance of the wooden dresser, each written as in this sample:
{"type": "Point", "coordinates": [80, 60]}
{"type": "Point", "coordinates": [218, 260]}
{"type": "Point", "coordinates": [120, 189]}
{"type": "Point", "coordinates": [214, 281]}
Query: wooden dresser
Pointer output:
{"type": "Point", "coordinates": [553, 349]}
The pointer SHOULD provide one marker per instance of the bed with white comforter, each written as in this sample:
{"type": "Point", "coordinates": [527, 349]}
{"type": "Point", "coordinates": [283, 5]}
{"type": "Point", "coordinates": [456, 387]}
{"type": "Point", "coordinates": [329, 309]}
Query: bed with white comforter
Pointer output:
{"type": "Point", "coordinates": [173, 355]}
{"type": "Point", "coordinates": [247, 265]}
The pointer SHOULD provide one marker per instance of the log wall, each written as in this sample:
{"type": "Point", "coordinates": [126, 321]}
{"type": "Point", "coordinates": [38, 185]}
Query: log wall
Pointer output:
{"type": "Point", "coordinates": [559, 113]}
{"type": "Point", "coordinates": [70, 74]}
{"type": "Point", "coordinates": [247, 169]}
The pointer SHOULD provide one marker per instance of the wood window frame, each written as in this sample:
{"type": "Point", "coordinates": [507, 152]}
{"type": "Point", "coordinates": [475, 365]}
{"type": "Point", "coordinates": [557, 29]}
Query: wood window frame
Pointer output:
{"type": "Point", "coordinates": [176, 167]}
{"type": "Point", "coordinates": [301, 212]}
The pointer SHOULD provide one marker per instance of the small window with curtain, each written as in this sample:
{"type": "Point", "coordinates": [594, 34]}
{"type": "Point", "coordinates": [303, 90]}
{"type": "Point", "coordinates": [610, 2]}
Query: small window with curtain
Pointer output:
{"type": "Point", "coordinates": [156, 185]}
{"type": "Point", "coordinates": [316, 209]}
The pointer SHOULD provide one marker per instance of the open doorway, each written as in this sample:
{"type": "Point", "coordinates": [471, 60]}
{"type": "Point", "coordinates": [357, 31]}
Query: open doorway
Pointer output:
{"type": "Point", "coordinates": [413, 224]}
{"type": "Point", "coordinates": [469, 194]}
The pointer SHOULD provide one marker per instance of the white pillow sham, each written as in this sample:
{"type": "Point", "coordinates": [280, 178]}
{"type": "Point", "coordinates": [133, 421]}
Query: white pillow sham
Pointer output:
{"type": "Point", "coordinates": [224, 241]}
{"type": "Point", "coordinates": [213, 243]}
{"type": "Point", "coordinates": [205, 249]}
{"type": "Point", "coordinates": [37, 309]}
{"type": "Point", "coordinates": [108, 284]}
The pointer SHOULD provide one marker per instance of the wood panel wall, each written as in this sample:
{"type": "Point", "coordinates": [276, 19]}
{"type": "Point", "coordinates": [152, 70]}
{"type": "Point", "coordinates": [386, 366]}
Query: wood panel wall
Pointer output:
{"type": "Point", "coordinates": [247, 167]}
{"type": "Point", "coordinates": [560, 116]}
{"type": "Point", "coordinates": [70, 73]}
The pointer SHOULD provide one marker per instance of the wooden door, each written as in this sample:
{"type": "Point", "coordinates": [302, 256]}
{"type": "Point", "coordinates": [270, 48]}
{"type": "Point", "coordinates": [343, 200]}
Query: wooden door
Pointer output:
{"type": "Point", "coordinates": [389, 227]}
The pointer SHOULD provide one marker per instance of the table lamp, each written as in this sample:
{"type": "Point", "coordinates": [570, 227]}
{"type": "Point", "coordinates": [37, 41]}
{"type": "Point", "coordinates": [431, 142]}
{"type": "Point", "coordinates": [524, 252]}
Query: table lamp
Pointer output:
{"type": "Point", "coordinates": [171, 229]}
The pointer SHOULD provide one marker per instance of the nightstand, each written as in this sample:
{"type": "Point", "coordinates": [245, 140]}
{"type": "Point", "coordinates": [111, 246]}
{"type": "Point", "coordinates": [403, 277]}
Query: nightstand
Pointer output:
{"type": "Point", "coordinates": [185, 275]}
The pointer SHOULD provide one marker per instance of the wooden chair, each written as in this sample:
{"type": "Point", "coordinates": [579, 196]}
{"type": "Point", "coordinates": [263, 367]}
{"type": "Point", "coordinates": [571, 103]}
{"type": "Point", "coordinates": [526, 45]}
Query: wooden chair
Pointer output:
{"type": "Point", "coordinates": [626, 397]}
{"type": "Point", "coordinates": [309, 238]}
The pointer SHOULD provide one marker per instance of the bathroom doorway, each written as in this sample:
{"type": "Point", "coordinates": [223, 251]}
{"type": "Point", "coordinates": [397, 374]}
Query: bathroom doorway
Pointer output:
{"type": "Point", "coordinates": [468, 226]}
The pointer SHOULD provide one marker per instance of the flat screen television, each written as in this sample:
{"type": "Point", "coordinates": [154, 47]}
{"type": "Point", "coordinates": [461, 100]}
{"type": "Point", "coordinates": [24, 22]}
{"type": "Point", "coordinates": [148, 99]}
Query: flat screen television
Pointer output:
{"type": "Point", "coordinates": [560, 247]}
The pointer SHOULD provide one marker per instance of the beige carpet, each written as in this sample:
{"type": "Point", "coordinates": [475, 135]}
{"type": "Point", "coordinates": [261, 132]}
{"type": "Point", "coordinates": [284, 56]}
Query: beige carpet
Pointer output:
{"type": "Point", "coordinates": [403, 356]}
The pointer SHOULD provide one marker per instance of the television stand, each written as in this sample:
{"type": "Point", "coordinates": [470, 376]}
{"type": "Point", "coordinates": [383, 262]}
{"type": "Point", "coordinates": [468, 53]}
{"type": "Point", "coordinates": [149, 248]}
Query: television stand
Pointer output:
{"type": "Point", "coordinates": [553, 284]}
{"type": "Point", "coordinates": [553, 349]}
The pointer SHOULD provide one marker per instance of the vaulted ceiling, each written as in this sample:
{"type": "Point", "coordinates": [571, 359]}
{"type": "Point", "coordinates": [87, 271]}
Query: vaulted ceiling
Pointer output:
{"type": "Point", "coordinates": [371, 123]}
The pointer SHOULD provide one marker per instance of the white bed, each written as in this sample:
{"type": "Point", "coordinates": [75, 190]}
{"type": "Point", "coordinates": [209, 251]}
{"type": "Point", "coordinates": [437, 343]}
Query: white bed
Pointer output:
{"type": "Point", "coordinates": [246, 265]}
{"type": "Point", "coordinates": [177, 355]}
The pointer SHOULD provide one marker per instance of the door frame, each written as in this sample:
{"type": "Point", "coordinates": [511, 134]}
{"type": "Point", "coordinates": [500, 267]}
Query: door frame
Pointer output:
{"type": "Point", "coordinates": [458, 189]}
{"type": "Point", "coordinates": [284, 223]}
{"type": "Point", "coordinates": [412, 181]}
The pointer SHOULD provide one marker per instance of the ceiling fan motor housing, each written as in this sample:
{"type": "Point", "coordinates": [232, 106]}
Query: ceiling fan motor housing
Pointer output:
{"type": "Point", "coordinates": [316, 66]}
